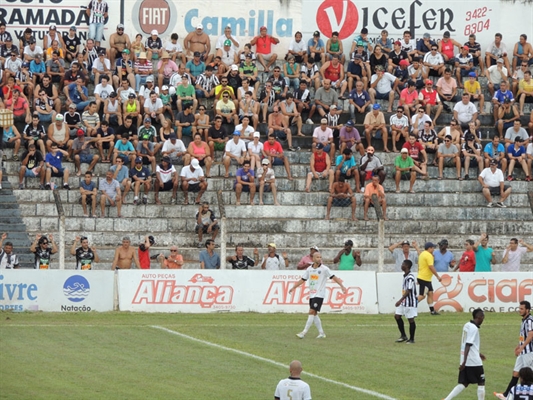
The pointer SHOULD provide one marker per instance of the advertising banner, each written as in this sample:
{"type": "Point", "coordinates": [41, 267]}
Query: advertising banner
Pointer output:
{"type": "Point", "coordinates": [256, 291]}
{"type": "Point", "coordinates": [464, 292]}
{"type": "Point", "coordinates": [54, 290]}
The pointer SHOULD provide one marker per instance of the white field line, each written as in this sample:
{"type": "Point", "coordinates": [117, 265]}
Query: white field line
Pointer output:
{"type": "Point", "coordinates": [249, 355]}
{"type": "Point", "coordinates": [7, 325]}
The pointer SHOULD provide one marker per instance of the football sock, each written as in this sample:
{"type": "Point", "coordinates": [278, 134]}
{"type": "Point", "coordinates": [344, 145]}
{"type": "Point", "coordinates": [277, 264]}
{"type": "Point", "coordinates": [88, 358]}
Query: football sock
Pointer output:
{"type": "Point", "coordinates": [412, 329]}
{"type": "Point", "coordinates": [456, 390]}
{"type": "Point", "coordinates": [514, 381]}
{"type": "Point", "coordinates": [481, 393]}
{"type": "Point", "coordinates": [318, 324]}
{"type": "Point", "coordinates": [399, 321]}
{"type": "Point", "coordinates": [431, 308]}
{"type": "Point", "coordinates": [309, 322]}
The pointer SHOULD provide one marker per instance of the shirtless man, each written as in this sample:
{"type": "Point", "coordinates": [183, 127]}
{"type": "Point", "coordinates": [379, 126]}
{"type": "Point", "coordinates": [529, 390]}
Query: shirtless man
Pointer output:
{"type": "Point", "coordinates": [125, 255]}
{"type": "Point", "coordinates": [118, 41]}
{"type": "Point", "coordinates": [199, 41]}
{"type": "Point", "coordinates": [340, 194]}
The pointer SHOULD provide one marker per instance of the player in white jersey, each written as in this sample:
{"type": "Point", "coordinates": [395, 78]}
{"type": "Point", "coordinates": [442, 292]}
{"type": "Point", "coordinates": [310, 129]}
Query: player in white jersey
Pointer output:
{"type": "Point", "coordinates": [524, 391]}
{"type": "Point", "coordinates": [407, 305]}
{"type": "Point", "coordinates": [524, 350]}
{"type": "Point", "coordinates": [317, 274]}
{"type": "Point", "coordinates": [293, 388]}
{"type": "Point", "coordinates": [471, 360]}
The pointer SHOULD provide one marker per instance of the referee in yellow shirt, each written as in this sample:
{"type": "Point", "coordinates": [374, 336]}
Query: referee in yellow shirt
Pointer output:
{"type": "Point", "coordinates": [426, 270]}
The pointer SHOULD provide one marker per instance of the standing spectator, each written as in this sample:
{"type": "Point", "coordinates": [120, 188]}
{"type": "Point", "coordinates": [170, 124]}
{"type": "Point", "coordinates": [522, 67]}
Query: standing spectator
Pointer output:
{"type": "Point", "coordinates": [376, 126]}
{"type": "Point", "coordinates": [272, 261]}
{"type": "Point", "coordinates": [467, 263]}
{"type": "Point", "coordinates": [54, 166]}
{"type": "Point", "coordinates": [8, 260]}
{"type": "Point", "coordinates": [97, 11]}
{"type": "Point", "coordinates": [492, 183]}
{"type": "Point", "coordinates": [512, 256]}
{"type": "Point", "coordinates": [42, 251]}
{"type": "Point", "coordinates": [404, 253]}
{"type": "Point", "coordinates": [444, 258]}
{"type": "Point", "coordinates": [375, 188]}
{"type": "Point", "coordinates": [347, 258]}
{"type": "Point", "coordinates": [448, 156]}
{"type": "Point", "coordinates": [88, 194]}
{"type": "Point", "coordinates": [307, 260]}
{"type": "Point", "coordinates": [166, 179]}
{"type": "Point", "coordinates": [267, 181]}
{"type": "Point", "coordinates": [206, 222]}
{"type": "Point", "coordinates": [485, 255]}
{"type": "Point", "coordinates": [140, 177]}
{"type": "Point", "coordinates": [85, 255]}
{"type": "Point", "coordinates": [143, 252]}
{"type": "Point", "coordinates": [209, 259]}
{"type": "Point", "coordinates": [192, 179]}
{"type": "Point", "coordinates": [20, 108]}
{"type": "Point", "coordinates": [110, 194]}
{"type": "Point", "coordinates": [240, 261]}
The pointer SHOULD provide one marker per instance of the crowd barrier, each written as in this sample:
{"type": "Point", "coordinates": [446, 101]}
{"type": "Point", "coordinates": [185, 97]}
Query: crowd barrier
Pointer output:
{"type": "Point", "coordinates": [203, 291]}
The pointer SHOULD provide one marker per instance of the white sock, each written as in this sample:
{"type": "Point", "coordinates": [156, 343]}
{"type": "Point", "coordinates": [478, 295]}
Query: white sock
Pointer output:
{"type": "Point", "coordinates": [456, 390]}
{"type": "Point", "coordinates": [481, 393]}
{"type": "Point", "coordinates": [318, 324]}
{"type": "Point", "coordinates": [309, 323]}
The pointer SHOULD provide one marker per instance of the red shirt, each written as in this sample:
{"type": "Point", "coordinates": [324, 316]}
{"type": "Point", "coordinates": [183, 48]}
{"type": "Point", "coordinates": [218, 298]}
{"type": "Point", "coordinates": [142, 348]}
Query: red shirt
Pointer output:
{"type": "Point", "coordinates": [20, 107]}
{"type": "Point", "coordinates": [467, 262]}
{"type": "Point", "coordinates": [333, 73]}
{"type": "Point", "coordinates": [414, 150]}
{"type": "Point", "coordinates": [320, 161]}
{"type": "Point", "coordinates": [263, 45]}
{"type": "Point", "coordinates": [409, 98]}
{"type": "Point", "coordinates": [429, 97]}
{"type": "Point", "coordinates": [275, 149]}
{"type": "Point", "coordinates": [9, 93]}
{"type": "Point", "coordinates": [144, 259]}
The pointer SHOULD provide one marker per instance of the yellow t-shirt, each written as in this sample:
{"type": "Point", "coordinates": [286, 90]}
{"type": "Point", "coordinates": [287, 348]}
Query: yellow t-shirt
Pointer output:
{"type": "Point", "coordinates": [472, 87]}
{"type": "Point", "coordinates": [425, 260]}
{"type": "Point", "coordinates": [525, 86]}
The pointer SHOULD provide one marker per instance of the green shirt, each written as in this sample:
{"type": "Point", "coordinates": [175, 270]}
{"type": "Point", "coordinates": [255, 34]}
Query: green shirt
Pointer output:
{"type": "Point", "coordinates": [483, 259]}
{"type": "Point", "coordinates": [346, 262]}
{"type": "Point", "coordinates": [183, 91]}
{"type": "Point", "coordinates": [401, 163]}
{"type": "Point", "coordinates": [147, 134]}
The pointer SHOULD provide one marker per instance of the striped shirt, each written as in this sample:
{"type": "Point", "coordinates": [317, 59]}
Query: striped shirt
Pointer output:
{"type": "Point", "coordinates": [207, 82]}
{"type": "Point", "coordinates": [525, 329]}
{"type": "Point", "coordinates": [409, 285]}
{"type": "Point", "coordinates": [90, 119]}
{"type": "Point", "coordinates": [333, 119]}
{"type": "Point", "coordinates": [8, 261]}
{"type": "Point", "coordinates": [145, 68]}
{"type": "Point", "coordinates": [521, 392]}
{"type": "Point", "coordinates": [98, 9]}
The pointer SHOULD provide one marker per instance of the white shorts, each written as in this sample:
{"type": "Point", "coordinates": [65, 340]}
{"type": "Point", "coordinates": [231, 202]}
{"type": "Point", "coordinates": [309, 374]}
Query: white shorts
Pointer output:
{"type": "Point", "coordinates": [523, 360]}
{"type": "Point", "coordinates": [407, 312]}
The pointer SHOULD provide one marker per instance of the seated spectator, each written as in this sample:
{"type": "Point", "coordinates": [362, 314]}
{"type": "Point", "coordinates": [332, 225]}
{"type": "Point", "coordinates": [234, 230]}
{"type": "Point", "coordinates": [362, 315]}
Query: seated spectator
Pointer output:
{"type": "Point", "coordinates": [206, 222]}
{"type": "Point", "coordinates": [54, 167]}
{"type": "Point", "coordinates": [418, 73]}
{"type": "Point", "coordinates": [507, 114]}
{"type": "Point", "coordinates": [101, 66]}
{"type": "Point", "coordinates": [399, 127]}
{"type": "Point", "coordinates": [34, 133]}
{"type": "Point", "coordinates": [249, 109]}
{"type": "Point", "coordinates": [124, 91]}
{"type": "Point", "coordinates": [278, 125]}
{"type": "Point", "coordinates": [428, 138]}
{"type": "Point", "coordinates": [334, 72]}
{"type": "Point", "coordinates": [154, 46]}
{"type": "Point", "coordinates": [341, 195]}
{"type": "Point", "coordinates": [492, 184]}
{"type": "Point", "coordinates": [82, 153]}
{"type": "Point", "coordinates": [529, 158]}
{"type": "Point", "coordinates": [501, 95]}
{"type": "Point", "coordinates": [24, 79]}
{"type": "Point", "coordinates": [516, 153]}
{"type": "Point", "coordinates": [38, 69]}
{"type": "Point", "coordinates": [200, 151]}
{"type": "Point", "coordinates": [124, 148]}
{"type": "Point", "coordinates": [175, 150]}
{"type": "Point", "coordinates": [206, 83]}
{"type": "Point", "coordinates": [434, 62]}
{"type": "Point", "coordinates": [473, 88]}
{"type": "Point", "coordinates": [255, 151]}
{"type": "Point", "coordinates": [146, 90]}
{"type": "Point", "coordinates": [465, 111]}
{"type": "Point", "coordinates": [471, 154]}
{"type": "Point", "coordinates": [378, 60]}
{"type": "Point", "coordinates": [395, 56]}
{"type": "Point", "coordinates": [105, 140]}
{"type": "Point", "coordinates": [185, 122]}
{"type": "Point", "coordinates": [302, 98]}
{"type": "Point", "coordinates": [88, 194]}
{"type": "Point", "coordinates": [475, 49]}
{"type": "Point", "coordinates": [195, 67]}
{"type": "Point", "coordinates": [55, 66]}
{"type": "Point", "coordinates": [263, 44]}
{"type": "Point", "coordinates": [405, 170]}
{"type": "Point", "coordinates": [77, 94]}
{"type": "Point", "coordinates": [142, 69]}
{"type": "Point", "coordinates": [44, 107]}
{"type": "Point", "coordinates": [174, 260]}
{"type": "Point", "coordinates": [32, 166]}
{"type": "Point", "coordinates": [228, 55]}
{"type": "Point", "coordinates": [320, 166]}
{"type": "Point", "coordinates": [382, 87]}
{"type": "Point", "coordinates": [289, 109]}
{"type": "Point", "coordinates": [274, 152]}
{"type": "Point", "coordinates": [102, 91]}
{"type": "Point", "coordinates": [175, 50]}
{"type": "Point", "coordinates": [424, 46]}
{"type": "Point", "coordinates": [166, 179]}
{"type": "Point", "coordinates": [72, 43]}
{"type": "Point", "coordinates": [166, 99]}
{"type": "Point", "coordinates": [216, 136]}
{"type": "Point", "coordinates": [370, 165]}
{"type": "Point", "coordinates": [227, 110]}
{"type": "Point", "coordinates": [454, 130]}
{"type": "Point", "coordinates": [235, 152]}
{"type": "Point", "coordinates": [495, 150]}
{"type": "Point", "coordinates": [375, 126]}
{"type": "Point", "coordinates": [325, 97]}
{"type": "Point", "coordinates": [496, 51]}
{"type": "Point", "coordinates": [153, 108]}
{"type": "Point", "coordinates": [401, 72]}
{"type": "Point", "coordinates": [448, 156]}
{"type": "Point", "coordinates": [201, 122]}
{"type": "Point", "coordinates": [72, 120]}
{"type": "Point", "coordinates": [12, 139]}
{"type": "Point", "coordinates": [165, 69]}
{"type": "Point", "coordinates": [496, 74]}
{"type": "Point", "coordinates": [112, 110]}
{"type": "Point", "coordinates": [447, 89]}
{"type": "Point", "coordinates": [110, 194]}
{"type": "Point", "coordinates": [266, 181]}
{"type": "Point", "coordinates": [31, 49]}
{"type": "Point", "coordinates": [417, 153]}
{"type": "Point", "coordinates": [359, 100]}
{"type": "Point", "coordinates": [245, 181]}
{"type": "Point", "coordinates": [350, 138]}
{"type": "Point", "coordinates": [141, 178]}
{"type": "Point", "coordinates": [74, 71]}
{"type": "Point", "coordinates": [192, 179]}
{"type": "Point", "coordinates": [121, 174]}
{"type": "Point", "coordinates": [409, 99]}
{"type": "Point", "coordinates": [464, 64]}
{"type": "Point", "coordinates": [268, 99]}
{"type": "Point", "coordinates": [131, 111]}
{"type": "Point", "coordinates": [246, 130]}
{"type": "Point", "coordinates": [515, 131]}
{"type": "Point", "coordinates": [518, 75]}
{"type": "Point", "coordinates": [375, 188]}
{"type": "Point", "coordinates": [310, 73]}
{"type": "Point", "coordinates": [124, 69]}
{"type": "Point", "coordinates": [59, 134]}
{"type": "Point", "coordinates": [525, 92]}
{"type": "Point", "coordinates": [91, 119]}
{"type": "Point", "coordinates": [346, 168]}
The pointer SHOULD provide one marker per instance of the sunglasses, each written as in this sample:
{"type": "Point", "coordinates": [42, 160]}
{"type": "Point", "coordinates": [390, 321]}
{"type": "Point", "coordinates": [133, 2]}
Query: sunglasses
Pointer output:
{"type": "Point", "coordinates": [400, 111]}
{"type": "Point", "coordinates": [225, 96]}
{"type": "Point", "coordinates": [420, 111]}
{"type": "Point", "coordinates": [45, 243]}
{"type": "Point", "coordinates": [447, 140]}
{"type": "Point", "coordinates": [173, 251]}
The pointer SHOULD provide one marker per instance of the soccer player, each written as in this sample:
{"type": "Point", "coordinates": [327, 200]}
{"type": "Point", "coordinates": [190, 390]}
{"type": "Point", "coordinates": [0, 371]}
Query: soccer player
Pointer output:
{"type": "Point", "coordinates": [525, 389]}
{"type": "Point", "coordinates": [407, 305]}
{"type": "Point", "coordinates": [316, 274]}
{"type": "Point", "coordinates": [524, 350]}
{"type": "Point", "coordinates": [471, 368]}
{"type": "Point", "coordinates": [293, 387]}
{"type": "Point", "coordinates": [426, 270]}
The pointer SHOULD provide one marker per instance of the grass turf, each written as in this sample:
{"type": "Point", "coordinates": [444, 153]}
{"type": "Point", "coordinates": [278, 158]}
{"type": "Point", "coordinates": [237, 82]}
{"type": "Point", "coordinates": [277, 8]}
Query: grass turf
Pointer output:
{"type": "Point", "coordinates": [122, 355]}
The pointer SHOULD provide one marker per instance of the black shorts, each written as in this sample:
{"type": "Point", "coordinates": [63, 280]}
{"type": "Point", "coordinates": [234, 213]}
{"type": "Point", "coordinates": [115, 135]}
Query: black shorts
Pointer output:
{"type": "Point", "coordinates": [495, 191]}
{"type": "Point", "coordinates": [88, 199]}
{"type": "Point", "coordinates": [169, 185]}
{"type": "Point", "coordinates": [528, 99]}
{"type": "Point", "coordinates": [316, 303]}
{"type": "Point", "coordinates": [204, 228]}
{"type": "Point", "coordinates": [341, 202]}
{"type": "Point", "coordinates": [58, 174]}
{"type": "Point", "coordinates": [194, 187]}
{"type": "Point", "coordinates": [105, 145]}
{"type": "Point", "coordinates": [470, 375]}
{"type": "Point", "coordinates": [406, 176]}
{"type": "Point", "coordinates": [423, 285]}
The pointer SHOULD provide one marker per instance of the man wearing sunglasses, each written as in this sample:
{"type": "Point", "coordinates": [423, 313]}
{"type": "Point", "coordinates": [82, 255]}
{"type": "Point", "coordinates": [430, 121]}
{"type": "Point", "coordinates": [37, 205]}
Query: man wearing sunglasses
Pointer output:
{"type": "Point", "coordinates": [42, 250]}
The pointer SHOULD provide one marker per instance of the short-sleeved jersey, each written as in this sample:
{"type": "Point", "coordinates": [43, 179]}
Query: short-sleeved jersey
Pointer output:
{"type": "Point", "coordinates": [471, 337]}
{"type": "Point", "coordinates": [316, 279]}
{"type": "Point", "coordinates": [42, 258]}
{"type": "Point", "coordinates": [84, 258]}
{"type": "Point", "coordinates": [409, 284]}
{"type": "Point", "coordinates": [525, 328]}
{"type": "Point", "coordinates": [292, 389]}
{"type": "Point", "coordinates": [424, 261]}
{"type": "Point", "coordinates": [521, 392]}
{"type": "Point", "coordinates": [243, 263]}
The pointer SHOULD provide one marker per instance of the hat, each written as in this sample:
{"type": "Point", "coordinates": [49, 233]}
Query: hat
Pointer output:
{"type": "Point", "coordinates": [376, 106]}
{"type": "Point", "coordinates": [427, 35]}
{"type": "Point", "coordinates": [257, 134]}
{"type": "Point", "coordinates": [404, 62]}
{"type": "Point", "coordinates": [120, 26]}
{"type": "Point", "coordinates": [499, 60]}
{"type": "Point", "coordinates": [32, 40]}
{"type": "Point", "coordinates": [358, 57]}
{"type": "Point", "coordinates": [428, 245]}
{"type": "Point", "coordinates": [314, 248]}
{"type": "Point", "coordinates": [350, 123]}
{"type": "Point", "coordinates": [404, 150]}
{"type": "Point", "coordinates": [443, 242]}
{"type": "Point", "coordinates": [59, 117]}
{"type": "Point", "coordinates": [265, 161]}
{"type": "Point", "coordinates": [227, 42]}
{"type": "Point", "coordinates": [166, 159]}
{"type": "Point", "coordinates": [195, 163]}
{"type": "Point", "coordinates": [150, 78]}
{"type": "Point", "coordinates": [263, 28]}
{"type": "Point", "coordinates": [125, 51]}
{"type": "Point", "coordinates": [469, 137]}
{"type": "Point", "coordinates": [446, 34]}
{"type": "Point", "coordinates": [148, 119]}
{"type": "Point", "coordinates": [138, 160]}
{"type": "Point", "coordinates": [102, 53]}
{"type": "Point", "coordinates": [173, 136]}
{"type": "Point", "coordinates": [142, 54]}
{"type": "Point", "coordinates": [507, 100]}
{"type": "Point", "coordinates": [406, 242]}
{"type": "Point", "coordinates": [466, 48]}
{"type": "Point", "coordinates": [361, 43]}
{"type": "Point", "coordinates": [164, 87]}
{"type": "Point", "coordinates": [319, 146]}
{"type": "Point", "coordinates": [131, 96]}
{"type": "Point", "coordinates": [429, 82]}
{"type": "Point", "coordinates": [370, 149]}
{"type": "Point", "coordinates": [80, 132]}
{"type": "Point", "coordinates": [472, 74]}
{"type": "Point", "coordinates": [236, 133]}
{"type": "Point", "coordinates": [493, 162]}
{"type": "Point", "coordinates": [323, 121]}
{"type": "Point", "coordinates": [113, 95]}
{"type": "Point", "coordinates": [272, 245]}
{"type": "Point", "coordinates": [396, 43]}
{"type": "Point", "coordinates": [165, 55]}
{"type": "Point", "coordinates": [234, 67]}
{"type": "Point", "coordinates": [52, 27]}
{"type": "Point", "coordinates": [197, 54]}
{"type": "Point", "coordinates": [25, 65]}
{"type": "Point", "coordinates": [154, 32]}
{"type": "Point", "coordinates": [199, 26]}
{"type": "Point", "coordinates": [348, 242]}
{"type": "Point", "coordinates": [316, 33]}
{"type": "Point", "coordinates": [72, 105]}
{"type": "Point", "coordinates": [333, 106]}
{"type": "Point", "coordinates": [72, 28]}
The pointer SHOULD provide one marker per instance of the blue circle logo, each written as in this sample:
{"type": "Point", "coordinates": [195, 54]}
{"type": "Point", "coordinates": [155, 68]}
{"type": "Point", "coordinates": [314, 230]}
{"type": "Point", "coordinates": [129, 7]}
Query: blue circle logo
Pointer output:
{"type": "Point", "coordinates": [76, 288]}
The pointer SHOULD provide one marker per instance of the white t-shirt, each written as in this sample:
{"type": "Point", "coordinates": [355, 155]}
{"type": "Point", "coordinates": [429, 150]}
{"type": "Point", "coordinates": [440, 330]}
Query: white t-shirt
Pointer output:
{"type": "Point", "coordinates": [269, 173]}
{"type": "Point", "coordinates": [292, 389]}
{"type": "Point", "coordinates": [465, 111]}
{"type": "Point", "coordinates": [28, 51]}
{"type": "Point", "coordinates": [256, 149]}
{"type": "Point", "coordinates": [102, 91]}
{"type": "Point", "coordinates": [513, 261]}
{"type": "Point", "coordinates": [316, 280]}
{"type": "Point", "coordinates": [297, 47]}
{"type": "Point", "coordinates": [144, 91]}
{"type": "Point", "coordinates": [399, 122]}
{"type": "Point", "coordinates": [492, 179]}
{"type": "Point", "coordinates": [511, 134]}
{"type": "Point", "coordinates": [433, 59]}
{"type": "Point", "coordinates": [187, 174]}
{"type": "Point", "coordinates": [153, 107]}
{"type": "Point", "coordinates": [247, 135]}
{"type": "Point", "coordinates": [171, 47]}
{"type": "Point", "coordinates": [220, 42]}
{"type": "Point", "coordinates": [408, 47]}
{"type": "Point", "coordinates": [175, 148]}
{"type": "Point", "coordinates": [236, 149]}
{"type": "Point", "coordinates": [100, 67]}
{"type": "Point", "coordinates": [495, 75]}
{"type": "Point", "coordinates": [323, 136]}
{"type": "Point", "coordinates": [166, 176]}
{"type": "Point", "coordinates": [471, 336]}
{"type": "Point", "coordinates": [421, 121]}
{"type": "Point", "coordinates": [273, 263]}
{"type": "Point", "coordinates": [529, 150]}
{"type": "Point", "coordinates": [385, 84]}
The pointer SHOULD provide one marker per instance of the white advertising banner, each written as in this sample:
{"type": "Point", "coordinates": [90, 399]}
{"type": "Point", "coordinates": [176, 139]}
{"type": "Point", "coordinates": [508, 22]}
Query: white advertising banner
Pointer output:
{"type": "Point", "coordinates": [54, 290]}
{"type": "Point", "coordinates": [464, 292]}
{"type": "Point", "coordinates": [201, 291]}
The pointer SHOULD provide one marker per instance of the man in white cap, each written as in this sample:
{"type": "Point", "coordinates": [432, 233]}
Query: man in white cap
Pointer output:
{"type": "Point", "coordinates": [272, 260]}
{"type": "Point", "coordinates": [192, 179]}
{"type": "Point", "coordinates": [154, 46]}
{"type": "Point", "coordinates": [198, 42]}
{"type": "Point", "coordinates": [267, 181]}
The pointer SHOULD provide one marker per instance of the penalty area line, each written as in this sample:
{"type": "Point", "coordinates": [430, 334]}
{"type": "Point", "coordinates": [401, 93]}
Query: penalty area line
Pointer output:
{"type": "Point", "coordinates": [276, 363]}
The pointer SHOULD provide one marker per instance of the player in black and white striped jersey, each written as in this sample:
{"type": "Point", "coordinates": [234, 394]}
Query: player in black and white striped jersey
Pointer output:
{"type": "Point", "coordinates": [407, 305]}
{"type": "Point", "coordinates": [524, 391]}
{"type": "Point", "coordinates": [524, 350]}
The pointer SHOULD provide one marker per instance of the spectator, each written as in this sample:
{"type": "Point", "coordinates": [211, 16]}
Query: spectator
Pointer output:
{"type": "Point", "coordinates": [434, 62]}
{"type": "Point", "coordinates": [341, 195]}
{"type": "Point", "coordinates": [206, 222]}
{"type": "Point", "coordinates": [444, 258]}
{"type": "Point", "coordinates": [370, 165]}
{"type": "Point", "coordinates": [516, 153]}
{"type": "Point", "coordinates": [55, 65]}
{"type": "Point", "coordinates": [404, 253]}
{"type": "Point", "coordinates": [492, 184]}
{"type": "Point", "coordinates": [24, 79]}
{"type": "Point", "coordinates": [143, 69]}
{"type": "Point", "coordinates": [198, 41]}
{"type": "Point", "coordinates": [424, 46]}
{"type": "Point", "coordinates": [306, 260]}
{"type": "Point", "coordinates": [124, 91]}
{"type": "Point", "coordinates": [473, 88]}
{"type": "Point", "coordinates": [320, 166]}
{"type": "Point", "coordinates": [428, 139]}
{"type": "Point", "coordinates": [216, 136]}
{"type": "Point", "coordinates": [201, 122]}
{"type": "Point", "coordinates": [245, 181]}
{"type": "Point", "coordinates": [173, 261]}
{"type": "Point", "coordinates": [42, 251]}
{"type": "Point", "coordinates": [382, 87]}
{"type": "Point", "coordinates": [325, 97]}
{"type": "Point", "coordinates": [37, 68]}
{"type": "Point", "coordinates": [378, 59]}
{"type": "Point", "coordinates": [245, 130]}
{"type": "Point", "coordinates": [496, 75]}
{"type": "Point", "coordinates": [141, 178]}
{"type": "Point", "coordinates": [209, 259]}
{"type": "Point", "coordinates": [525, 92]}
{"type": "Point", "coordinates": [227, 110]}
{"type": "Point", "coordinates": [235, 152]}
{"type": "Point", "coordinates": [288, 109]}
{"type": "Point", "coordinates": [32, 166]}
{"type": "Point", "coordinates": [153, 108]}
{"type": "Point", "coordinates": [396, 56]}
{"type": "Point", "coordinates": [274, 152]}
{"type": "Point", "coordinates": [125, 255]}
{"type": "Point", "coordinates": [514, 132]}
{"type": "Point", "coordinates": [54, 166]}
{"type": "Point", "coordinates": [255, 151]}
{"type": "Point", "coordinates": [82, 153]}
{"type": "Point", "coordinates": [166, 179]}
{"type": "Point", "coordinates": [496, 51]}
{"type": "Point", "coordinates": [44, 107]}
{"type": "Point", "coordinates": [19, 107]}
{"type": "Point", "coordinates": [512, 256]}
{"type": "Point", "coordinates": [263, 50]}
{"type": "Point", "coordinates": [485, 255]}
{"type": "Point", "coordinates": [110, 194]}
{"type": "Point", "coordinates": [91, 119]}
{"type": "Point", "coordinates": [464, 64]}
{"type": "Point", "coordinates": [199, 150]}
{"type": "Point", "coordinates": [418, 73]}
{"type": "Point", "coordinates": [406, 170]}
{"type": "Point", "coordinates": [467, 263]}
{"type": "Point", "coordinates": [240, 261]}
{"type": "Point", "coordinates": [88, 194]}
{"type": "Point", "coordinates": [359, 100]}
{"type": "Point", "coordinates": [112, 110]}
{"type": "Point", "coordinates": [186, 95]}
{"type": "Point", "coordinates": [97, 11]}
{"type": "Point", "coordinates": [102, 91]}
{"type": "Point", "coordinates": [8, 260]}
{"type": "Point", "coordinates": [154, 46]}
{"type": "Point", "coordinates": [409, 98]}
{"type": "Point", "coordinates": [448, 155]}
{"type": "Point", "coordinates": [495, 151]}
{"type": "Point", "coordinates": [447, 89]}
{"type": "Point", "coordinates": [375, 188]}
{"type": "Point", "coordinates": [72, 120]}
{"type": "Point", "coordinates": [143, 252]}
{"type": "Point", "coordinates": [267, 181]}
{"type": "Point", "coordinates": [192, 179]}
{"type": "Point", "coordinates": [206, 83]}
{"type": "Point", "coordinates": [399, 127]}
{"type": "Point", "coordinates": [77, 94]}
{"type": "Point", "coordinates": [101, 66]}
{"type": "Point", "coordinates": [249, 108]}
{"type": "Point", "coordinates": [35, 133]}
{"type": "Point", "coordinates": [124, 148]}
{"type": "Point", "coordinates": [475, 49]}
{"type": "Point", "coordinates": [278, 125]}
{"type": "Point", "coordinates": [272, 261]}
{"type": "Point", "coordinates": [333, 71]}
{"type": "Point", "coordinates": [349, 138]}
{"type": "Point", "coordinates": [121, 174]}
{"type": "Point", "coordinates": [72, 44]}
{"type": "Point", "coordinates": [12, 139]}
{"type": "Point", "coordinates": [471, 154]}
{"type": "Point", "coordinates": [375, 126]}
{"type": "Point", "coordinates": [195, 67]}
{"type": "Point", "coordinates": [346, 167]}
{"type": "Point", "coordinates": [315, 49]}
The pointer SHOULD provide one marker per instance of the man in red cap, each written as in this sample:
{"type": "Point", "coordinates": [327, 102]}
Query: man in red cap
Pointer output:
{"type": "Point", "coordinates": [429, 99]}
{"type": "Point", "coordinates": [263, 48]}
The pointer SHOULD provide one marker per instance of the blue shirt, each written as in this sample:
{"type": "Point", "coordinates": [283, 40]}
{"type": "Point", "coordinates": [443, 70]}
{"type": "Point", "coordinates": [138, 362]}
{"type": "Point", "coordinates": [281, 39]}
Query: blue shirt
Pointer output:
{"type": "Point", "coordinates": [442, 261]}
{"type": "Point", "coordinates": [122, 174]}
{"type": "Point", "coordinates": [359, 99]}
{"type": "Point", "coordinates": [210, 262]}
{"type": "Point", "coordinates": [489, 149]}
{"type": "Point", "coordinates": [502, 96]}
{"type": "Point", "coordinates": [124, 147]}
{"type": "Point", "coordinates": [311, 42]}
{"type": "Point", "coordinates": [347, 164]}
{"type": "Point", "coordinates": [37, 68]}
{"type": "Point", "coordinates": [244, 175]}
{"type": "Point", "coordinates": [54, 160]}
{"type": "Point", "coordinates": [90, 187]}
{"type": "Point", "coordinates": [75, 95]}
{"type": "Point", "coordinates": [483, 259]}
{"type": "Point", "coordinates": [194, 69]}
{"type": "Point", "coordinates": [514, 151]}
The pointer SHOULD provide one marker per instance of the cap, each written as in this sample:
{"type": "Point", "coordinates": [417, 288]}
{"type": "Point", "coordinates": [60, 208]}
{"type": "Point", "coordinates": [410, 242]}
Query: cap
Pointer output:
{"type": "Point", "coordinates": [319, 146]}
{"type": "Point", "coordinates": [263, 28]}
{"type": "Point", "coordinates": [150, 78]}
{"type": "Point", "coordinates": [333, 106]}
{"type": "Point", "coordinates": [102, 53]}
{"type": "Point", "coordinates": [427, 35]}
{"type": "Point", "coordinates": [148, 119]}
{"type": "Point", "coordinates": [126, 51]}
{"type": "Point", "coordinates": [443, 242]}
{"type": "Point", "coordinates": [80, 132]}
{"type": "Point", "coordinates": [314, 248]}
{"type": "Point", "coordinates": [142, 54]}
{"type": "Point", "coordinates": [429, 82]}
{"type": "Point", "coordinates": [52, 27]}
{"type": "Point", "coordinates": [396, 43]}
{"type": "Point", "coordinates": [446, 34]}
{"type": "Point", "coordinates": [257, 134]}
{"type": "Point", "coordinates": [406, 242]}
{"type": "Point", "coordinates": [227, 42]}
{"type": "Point", "coordinates": [316, 33]}
{"type": "Point", "coordinates": [265, 161]}
{"type": "Point", "coordinates": [404, 62]}
{"type": "Point", "coordinates": [428, 245]}
{"type": "Point", "coordinates": [507, 100]}
{"type": "Point", "coordinates": [73, 28]}
{"type": "Point", "coordinates": [493, 162]}
{"type": "Point", "coordinates": [234, 67]}
{"type": "Point", "coordinates": [120, 26]}
{"type": "Point", "coordinates": [72, 105]}
{"type": "Point", "coordinates": [138, 160]}
{"type": "Point", "coordinates": [518, 139]}
{"type": "Point", "coordinates": [166, 159]}
{"type": "Point", "coordinates": [154, 32]}
{"type": "Point", "coordinates": [195, 163]}
{"type": "Point", "coordinates": [25, 65]}
{"type": "Point", "coordinates": [199, 26]}
{"type": "Point", "coordinates": [165, 87]}
{"type": "Point", "coordinates": [466, 48]}
{"type": "Point", "coordinates": [358, 57]}
{"type": "Point", "coordinates": [165, 55]}
{"type": "Point", "coordinates": [376, 107]}
{"type": "Point", "coordinates": [131, 96]}
{"type": "Point", "coordinates": [59, 117]}
{"type": "Point", "coordinates": [348, 242]}
{"type": "Point", "coordinates": [404, 150]}
{"type": "Point", "coordinates": [237, 133]}
{"type": "Point", "coordinates": [197, 54]}
{"type": "Point", "coordinates": [173, 136]}
{"type": "Point", "coordinates": [32, 40]}
{"type": "Point", "coordinates": [323, 121]}
{"type": "Point", "coordinates": [370, 149]}
{"type": "Point", "coordinates": [469, 137]}
{"type": "Point", "coordinates": [350, 123]}
{"type": "Point", "coordinates": [472, 74]}
{"type": "Point", "coordinates": [113, 95]}
{"type": "Point", "coordinates": [499, 60]}
{"type": "Point", "coordinates": [272, 245]}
